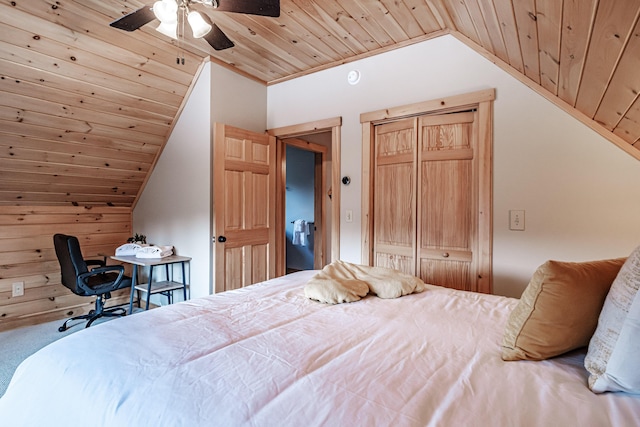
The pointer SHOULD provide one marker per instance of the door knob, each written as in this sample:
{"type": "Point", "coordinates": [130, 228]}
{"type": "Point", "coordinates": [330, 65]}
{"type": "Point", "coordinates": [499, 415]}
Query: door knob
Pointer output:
{"type": "Point", "coordinates": [222, 239]}
{"type": "Point", "coordinates": [445, 255]}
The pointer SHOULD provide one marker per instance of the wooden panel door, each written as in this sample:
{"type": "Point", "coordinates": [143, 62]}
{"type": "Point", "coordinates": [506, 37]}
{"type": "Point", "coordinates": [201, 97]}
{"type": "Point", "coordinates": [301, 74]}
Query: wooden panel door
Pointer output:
{"type": "Point", "coordinates": [243, 206]}
{"type": "Point", "coordinates": [447, 232]}
{"type": "Point", "coordinates": [394, 200]}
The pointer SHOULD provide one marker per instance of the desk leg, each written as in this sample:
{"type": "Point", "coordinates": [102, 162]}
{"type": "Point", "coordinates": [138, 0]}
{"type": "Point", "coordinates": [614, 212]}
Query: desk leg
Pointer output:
{"type": "Point", "coordinates": [166, 272]}
{"type": "Point", "coordinates": [184, 282]}
{"type": "Point", "coordinates": [149, 286]}
{"type": "Point", "coordinates": [134, 280]}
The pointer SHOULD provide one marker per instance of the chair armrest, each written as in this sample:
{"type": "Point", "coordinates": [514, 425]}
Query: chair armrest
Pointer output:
{"type": "Point", "coordinates": [104, 287]}
{"type": "Point", "coordinates": [106, 269]}
{"type": "Point", "coordinates": [97, 262]}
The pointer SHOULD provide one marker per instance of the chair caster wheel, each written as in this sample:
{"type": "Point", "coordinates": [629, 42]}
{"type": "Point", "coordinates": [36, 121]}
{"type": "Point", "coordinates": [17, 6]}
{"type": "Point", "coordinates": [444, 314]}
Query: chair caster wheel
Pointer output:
{"type": "Point", "coordinates": [62, 329]}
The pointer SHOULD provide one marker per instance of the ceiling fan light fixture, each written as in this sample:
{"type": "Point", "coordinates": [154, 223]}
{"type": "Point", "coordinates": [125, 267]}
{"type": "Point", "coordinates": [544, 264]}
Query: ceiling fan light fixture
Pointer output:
{"type": "Point", "coordinates": [169, 30]}
{"type": "Point", "coordinates": [173, 13]}
{"type": "Point", "coordinates": [166, 11]}
{"type": "Point", "coordinates": [198, 25]}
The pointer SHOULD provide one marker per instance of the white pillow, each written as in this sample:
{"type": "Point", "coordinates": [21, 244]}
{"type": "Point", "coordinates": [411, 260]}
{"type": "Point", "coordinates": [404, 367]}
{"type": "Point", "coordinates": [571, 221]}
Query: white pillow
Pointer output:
{"type": "Point", "coordinates": [613, 358]}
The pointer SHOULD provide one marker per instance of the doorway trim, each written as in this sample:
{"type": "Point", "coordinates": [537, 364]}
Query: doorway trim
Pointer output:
{"type": "Point", "coordinates": [483, 101]}
{"type": "Point", "coordinates": [332, 125]}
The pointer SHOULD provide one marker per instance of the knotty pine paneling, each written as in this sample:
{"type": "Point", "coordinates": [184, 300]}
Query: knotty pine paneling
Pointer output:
{"type": "Point", "coordinates": [85, 109]}
{"type": "Point", "coordinates": [27, 255]}
{"type": "Point", "coordinates": [610, 32]}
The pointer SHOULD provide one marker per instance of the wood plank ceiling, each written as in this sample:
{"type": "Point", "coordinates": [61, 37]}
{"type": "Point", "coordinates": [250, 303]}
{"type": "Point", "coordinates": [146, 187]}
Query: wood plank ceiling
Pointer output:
{"type": "Point", "coordinates": [85, 109]}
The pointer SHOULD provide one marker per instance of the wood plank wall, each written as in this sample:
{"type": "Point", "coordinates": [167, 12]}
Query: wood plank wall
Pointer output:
{"type": "Point", "coordinates": [27, 255]}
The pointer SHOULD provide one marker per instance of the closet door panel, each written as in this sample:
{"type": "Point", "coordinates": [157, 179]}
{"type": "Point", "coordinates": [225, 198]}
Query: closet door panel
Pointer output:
{"type": "Point", "coordinates": [446, 228]}
{"type": "Point", "coordinates": [394, 198]}
{"type": "Point", "coordinates": [405, 264]}
{"type": "Point", "coordinates": [446, 204]}
{"type": "Point", "coordinates": [453, 274]}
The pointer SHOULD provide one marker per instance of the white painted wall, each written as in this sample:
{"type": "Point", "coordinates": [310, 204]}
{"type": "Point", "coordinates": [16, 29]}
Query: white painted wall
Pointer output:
{"type": "Point", "coordinates": [238, 101]}
{"type": "Point", "coordinates": [579, 191]}
{"type": "Point", "coordinates": [174, 208]}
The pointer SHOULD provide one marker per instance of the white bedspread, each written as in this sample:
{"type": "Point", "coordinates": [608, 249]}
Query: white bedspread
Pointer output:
{"type": "Point", "coordinates": [268, 356]}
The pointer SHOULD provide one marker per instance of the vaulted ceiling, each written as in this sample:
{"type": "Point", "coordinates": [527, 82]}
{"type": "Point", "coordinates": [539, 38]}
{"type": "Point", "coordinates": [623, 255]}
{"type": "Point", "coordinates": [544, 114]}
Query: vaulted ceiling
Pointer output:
{"type": "Point", "coordinates": [85, 108]}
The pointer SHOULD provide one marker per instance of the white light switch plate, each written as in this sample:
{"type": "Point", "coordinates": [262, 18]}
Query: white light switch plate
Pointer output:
{"type": "Point", "coordinates": [516, 220]}
{"type": "Point", "coordinates": [17, 289]}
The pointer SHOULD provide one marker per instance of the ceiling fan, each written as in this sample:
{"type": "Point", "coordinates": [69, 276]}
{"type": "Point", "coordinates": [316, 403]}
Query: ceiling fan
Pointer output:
{"type": "Point", "coordinates": [173, 13]}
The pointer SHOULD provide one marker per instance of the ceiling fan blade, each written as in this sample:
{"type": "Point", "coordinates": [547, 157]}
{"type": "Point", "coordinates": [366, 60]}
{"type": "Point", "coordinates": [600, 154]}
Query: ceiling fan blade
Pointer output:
{"type": "Point", "coordinates": [217, 39]}
{"type": "Point", "coordinates": [252, 7]}
{"type": "Point", "coordinates": [134, 20]}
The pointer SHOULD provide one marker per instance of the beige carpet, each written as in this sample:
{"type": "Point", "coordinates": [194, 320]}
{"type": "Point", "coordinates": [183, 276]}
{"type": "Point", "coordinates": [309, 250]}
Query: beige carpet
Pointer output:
{"type": "Point", "coordinates": [18, 344]}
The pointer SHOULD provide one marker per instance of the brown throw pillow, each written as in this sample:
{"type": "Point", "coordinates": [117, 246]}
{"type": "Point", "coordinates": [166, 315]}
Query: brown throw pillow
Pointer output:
{"type": "Point", "coordinates": [559, 309]}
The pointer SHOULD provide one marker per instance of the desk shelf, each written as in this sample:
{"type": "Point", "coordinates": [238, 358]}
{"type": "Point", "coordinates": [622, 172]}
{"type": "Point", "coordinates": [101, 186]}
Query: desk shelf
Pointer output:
{"type": "Point", "coordinates": [158, 287]}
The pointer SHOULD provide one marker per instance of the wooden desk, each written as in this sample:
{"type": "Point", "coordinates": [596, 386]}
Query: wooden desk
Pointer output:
{"type": "Point", "coordinates": [154, 287]}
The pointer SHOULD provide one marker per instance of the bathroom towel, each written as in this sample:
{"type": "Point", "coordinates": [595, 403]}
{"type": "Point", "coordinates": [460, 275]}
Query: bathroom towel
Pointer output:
{"type": "Point", "coordinates": [300, 232]}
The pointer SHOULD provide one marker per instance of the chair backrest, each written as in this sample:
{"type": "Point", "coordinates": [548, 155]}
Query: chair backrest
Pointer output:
{"type": "Point", "coordinates": [70, 258]}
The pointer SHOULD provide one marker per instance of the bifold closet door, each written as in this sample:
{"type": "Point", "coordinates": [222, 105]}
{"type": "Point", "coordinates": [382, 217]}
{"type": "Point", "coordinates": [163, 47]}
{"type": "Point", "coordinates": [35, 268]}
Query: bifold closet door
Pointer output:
{"type": "Point", "coordinates": [427, 190]}
{"type": "Point", "coordinates": [394, 200]}
{"type": "Point", "coordinates": [448, 187]}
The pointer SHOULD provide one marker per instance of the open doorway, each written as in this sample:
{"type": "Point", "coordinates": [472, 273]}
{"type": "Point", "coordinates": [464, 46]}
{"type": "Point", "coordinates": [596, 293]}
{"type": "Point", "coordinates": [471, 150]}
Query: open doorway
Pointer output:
{"type": "Point", "coordinates": [323, 139]}
{"type": "Point", "coordinates": [307, 198]}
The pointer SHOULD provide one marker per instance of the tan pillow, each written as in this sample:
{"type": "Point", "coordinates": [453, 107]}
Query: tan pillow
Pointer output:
{"type": "Point", "coordinates": [559, 309]}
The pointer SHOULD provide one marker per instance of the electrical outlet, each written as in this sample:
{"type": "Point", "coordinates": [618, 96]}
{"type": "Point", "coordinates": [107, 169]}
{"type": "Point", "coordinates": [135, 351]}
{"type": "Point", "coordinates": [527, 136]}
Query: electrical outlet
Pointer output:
{"type": "Point", "coordinates": [516, 220]}
{"type": "Point", "coordinates": [348, 215]}
{"type": "Point", "coordinates": [17, 289]}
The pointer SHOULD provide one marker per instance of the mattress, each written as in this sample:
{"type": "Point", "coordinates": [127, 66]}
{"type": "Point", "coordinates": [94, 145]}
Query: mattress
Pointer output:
{"type": "Point", "coordinates": [265, 355]}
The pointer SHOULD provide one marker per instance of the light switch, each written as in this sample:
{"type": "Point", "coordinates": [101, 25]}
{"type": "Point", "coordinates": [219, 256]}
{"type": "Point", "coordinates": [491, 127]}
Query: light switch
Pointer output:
{"type": "Point", "coordinates": [516, 220]}
{"type": "Point", "coordinates": [348, 215]}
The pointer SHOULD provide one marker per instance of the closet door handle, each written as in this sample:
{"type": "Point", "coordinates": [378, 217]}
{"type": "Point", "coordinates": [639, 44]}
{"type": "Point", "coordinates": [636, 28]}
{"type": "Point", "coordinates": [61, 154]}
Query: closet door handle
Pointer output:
{"type": "Point", "coordinates": [222, 239]}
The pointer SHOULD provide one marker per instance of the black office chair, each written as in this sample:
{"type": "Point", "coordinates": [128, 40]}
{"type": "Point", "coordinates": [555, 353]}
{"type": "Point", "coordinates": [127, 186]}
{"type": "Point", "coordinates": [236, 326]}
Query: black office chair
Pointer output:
{"type": "Point", "coordinates": [99, 281]}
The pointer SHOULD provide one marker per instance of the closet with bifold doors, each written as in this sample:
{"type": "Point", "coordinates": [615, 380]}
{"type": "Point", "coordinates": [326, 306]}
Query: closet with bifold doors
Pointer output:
{"type": "Point", "coordinates": [428, 201]}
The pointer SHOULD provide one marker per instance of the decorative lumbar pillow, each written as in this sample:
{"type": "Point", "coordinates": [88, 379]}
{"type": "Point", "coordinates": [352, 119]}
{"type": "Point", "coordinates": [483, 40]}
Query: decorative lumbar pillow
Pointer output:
{"type": "Point", "coordinates": [559, 309]}
{"type": "Point", "coordinates": [613, 358]}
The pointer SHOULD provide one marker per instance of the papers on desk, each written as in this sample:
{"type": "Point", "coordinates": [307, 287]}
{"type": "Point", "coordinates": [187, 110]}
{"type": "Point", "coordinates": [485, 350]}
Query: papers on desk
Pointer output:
{"type": "Point", "coordinates": [154, 252]}
{"type": "Point", "coordinates": [146, 251]}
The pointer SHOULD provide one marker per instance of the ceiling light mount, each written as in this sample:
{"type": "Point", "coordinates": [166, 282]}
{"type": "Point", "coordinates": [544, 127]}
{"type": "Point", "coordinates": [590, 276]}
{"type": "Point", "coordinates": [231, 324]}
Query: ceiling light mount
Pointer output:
{"type": "Point", "coordinates": [353, 77]}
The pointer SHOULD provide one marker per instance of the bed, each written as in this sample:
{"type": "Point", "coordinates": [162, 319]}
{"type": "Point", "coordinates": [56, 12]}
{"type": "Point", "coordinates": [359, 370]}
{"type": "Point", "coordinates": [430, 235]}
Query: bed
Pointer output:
{"type": "Point", "coordinates": [267, 355]}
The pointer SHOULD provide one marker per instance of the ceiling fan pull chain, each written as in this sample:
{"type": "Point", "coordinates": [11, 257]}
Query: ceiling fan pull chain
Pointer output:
{"type": "Point", "coordinates": [181, 19]}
